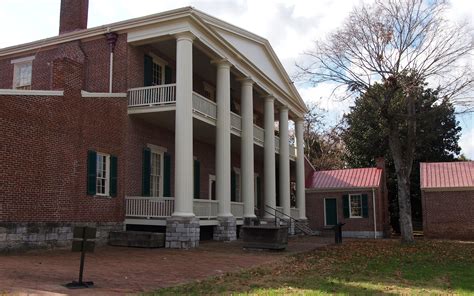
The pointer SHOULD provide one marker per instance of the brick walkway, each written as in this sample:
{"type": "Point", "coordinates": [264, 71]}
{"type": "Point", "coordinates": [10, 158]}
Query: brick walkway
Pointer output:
{"type": "Point", "coordinates": [117, 270]}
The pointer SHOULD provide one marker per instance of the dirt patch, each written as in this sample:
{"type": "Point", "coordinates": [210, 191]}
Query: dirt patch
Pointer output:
{"type": "Point", "coordinates": [117, 270]}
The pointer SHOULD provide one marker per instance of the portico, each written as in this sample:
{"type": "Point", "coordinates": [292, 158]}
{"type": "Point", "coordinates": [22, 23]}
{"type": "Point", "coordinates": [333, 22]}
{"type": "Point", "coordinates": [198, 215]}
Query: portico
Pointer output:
{"type": "Point", "coordinates": [237, 102]}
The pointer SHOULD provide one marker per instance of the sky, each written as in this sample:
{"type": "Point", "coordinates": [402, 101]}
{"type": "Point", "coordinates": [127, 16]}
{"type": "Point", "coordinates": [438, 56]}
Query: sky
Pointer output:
{"type": "Point", "coordinates": [291, 26]}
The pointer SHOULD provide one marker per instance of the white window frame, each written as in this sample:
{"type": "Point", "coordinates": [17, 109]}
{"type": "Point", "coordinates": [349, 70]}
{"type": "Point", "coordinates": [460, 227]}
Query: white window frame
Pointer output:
{"type": "Point", "coordinates": [107, 174]}
{"type": "Point", "coordinates": [350, 205]}
{"type": "Point", "coordinates": [17, 64]}
{"type": "Point", "coordinates": [162, 63]}
{"type": "Point", "coordinates": [158, 150]}
{"type": "Point", "coordinates": [212, 178]}
{"type": "Point", "coordinates": [238, 185]}
{"type": "Point", "coordinates": [325, 221]}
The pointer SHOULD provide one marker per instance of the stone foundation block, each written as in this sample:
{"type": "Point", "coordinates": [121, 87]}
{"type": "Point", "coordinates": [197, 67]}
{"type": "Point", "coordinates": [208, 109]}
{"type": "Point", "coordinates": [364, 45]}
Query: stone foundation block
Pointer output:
{"type": "Point", "coordinates": [226, 230]}
{"type": "Point", "coordinates": [182, 232]}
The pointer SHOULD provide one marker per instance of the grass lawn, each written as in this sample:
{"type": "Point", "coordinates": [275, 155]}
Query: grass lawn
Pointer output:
{"type": "Point", "coordinates": [356, 267]}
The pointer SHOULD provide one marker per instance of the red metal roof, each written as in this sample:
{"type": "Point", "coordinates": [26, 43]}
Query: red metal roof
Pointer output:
{"type": "Point", "coordinates": [347, 178]}
{"type": "Point", "coordinates": [458, 174]}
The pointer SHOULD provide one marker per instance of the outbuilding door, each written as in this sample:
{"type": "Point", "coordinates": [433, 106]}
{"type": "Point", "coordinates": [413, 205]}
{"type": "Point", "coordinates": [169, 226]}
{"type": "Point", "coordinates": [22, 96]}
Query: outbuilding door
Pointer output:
{"type": "Point", "coordinates": [330, 213]}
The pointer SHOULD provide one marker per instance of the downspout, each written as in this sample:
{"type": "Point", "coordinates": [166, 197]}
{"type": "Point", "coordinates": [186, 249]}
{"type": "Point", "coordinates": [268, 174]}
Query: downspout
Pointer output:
{"type": "Point", "coordinates": [375, 217]}
{"type": "Point", "coordinates": [111, 40]}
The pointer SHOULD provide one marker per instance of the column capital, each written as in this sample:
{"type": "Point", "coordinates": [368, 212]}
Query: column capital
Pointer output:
{"type": "Point", "coordinates": [246, 80]}
{"type": "Point", "coordinates": [284, 108]}
{"type": "Point", "coordinates": [269, 98]}
{"type": "Point", "coordinates": [299, 120]}
{"type": "Point", "coordinates": [185, 36]}
{"type": "Point", "coordinates": [221, 63]}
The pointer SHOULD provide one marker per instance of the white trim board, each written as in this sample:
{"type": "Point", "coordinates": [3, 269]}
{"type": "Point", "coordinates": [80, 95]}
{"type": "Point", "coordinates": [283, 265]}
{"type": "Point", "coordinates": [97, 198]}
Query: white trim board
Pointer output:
{"type": "Point", "coordinates": [28, 92]}
{"type": "Point", "coordinates": [86, 94]}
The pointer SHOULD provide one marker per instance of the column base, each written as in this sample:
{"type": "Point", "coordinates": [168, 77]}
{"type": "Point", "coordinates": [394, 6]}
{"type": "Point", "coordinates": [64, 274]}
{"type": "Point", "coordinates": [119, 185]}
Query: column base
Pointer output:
{"type": "Point", "coordinates": [226, 230]}
{"type": "Point", "coordinates": [182, 232]}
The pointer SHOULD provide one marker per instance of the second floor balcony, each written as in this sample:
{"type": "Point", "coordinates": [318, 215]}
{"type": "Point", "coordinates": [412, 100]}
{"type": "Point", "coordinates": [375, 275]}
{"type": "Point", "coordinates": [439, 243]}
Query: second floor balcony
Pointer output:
{"type": "Point", "coordinates": [162, 98]}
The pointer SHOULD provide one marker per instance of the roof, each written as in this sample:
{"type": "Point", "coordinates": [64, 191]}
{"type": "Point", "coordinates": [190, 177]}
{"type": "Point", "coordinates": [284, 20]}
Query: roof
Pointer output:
{"type": "Point", "coordinates": [345, 179]}
{"type": "Point", "coordinates": [447, 175]}
{"type": "Point", "coordinates": [280, 78]}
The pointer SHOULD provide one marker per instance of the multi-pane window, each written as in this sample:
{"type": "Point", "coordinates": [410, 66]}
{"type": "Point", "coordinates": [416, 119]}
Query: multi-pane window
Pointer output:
{"type": "Point", "coordinates": [355, 206]}
{"type": "Point", "coordinates": [156, 174]}
{"type": "Point", "coordinates": [237, 186]}
{"type": "Point", "coordinates": [103, 174]}
{"type": "Point", "coordinates": [157, 78]}
{"type": "Point", "coordinates": [22, 74]}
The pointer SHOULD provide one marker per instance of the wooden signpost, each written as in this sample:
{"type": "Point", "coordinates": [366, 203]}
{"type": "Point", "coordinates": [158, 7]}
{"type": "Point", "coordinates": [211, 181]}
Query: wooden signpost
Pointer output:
{"type": "Point", "coordinates": [83, 241]}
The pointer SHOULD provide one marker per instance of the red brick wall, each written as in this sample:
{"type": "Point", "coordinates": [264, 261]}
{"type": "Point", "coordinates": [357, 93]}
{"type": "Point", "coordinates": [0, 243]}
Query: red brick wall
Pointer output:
{"type": "Point", "coordinates": [43, 153]}
{"type": "Point", "coordinates": [448, 214]}
{"type": "Point", "coordinates": [315, 211]}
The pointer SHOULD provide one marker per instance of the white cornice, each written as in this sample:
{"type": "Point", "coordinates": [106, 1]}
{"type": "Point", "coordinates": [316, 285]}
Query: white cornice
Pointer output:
{"type": "Point", "coordinates": [26, 92]}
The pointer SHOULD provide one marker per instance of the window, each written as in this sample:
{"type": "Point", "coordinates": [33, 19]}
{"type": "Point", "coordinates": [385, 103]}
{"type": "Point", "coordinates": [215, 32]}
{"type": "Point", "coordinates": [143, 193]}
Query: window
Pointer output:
{"type": "Point", "coordinates": [237, 186]}
{"type": "Point", "coordinates": [212, 187]}
{"type": "Point", "coordinates": [22, 70]}
{"type": "Point", "coordinates": [158, 76]}
{"type": "Point", "coordinates": [103, 174]}
{"type": "Point", "coordinates": [209, 91]}
{"type": "Point", "coordinates": [156, 173]}
{"type": "Point", "coordinates": [355, 206]}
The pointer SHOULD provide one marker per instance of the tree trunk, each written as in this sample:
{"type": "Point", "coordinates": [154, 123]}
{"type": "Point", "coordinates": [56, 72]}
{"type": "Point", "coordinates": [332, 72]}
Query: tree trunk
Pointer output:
{"type": "Point", "coordinates": [404, 204]}
{"type": "Point", "coordinates": [403, 164]}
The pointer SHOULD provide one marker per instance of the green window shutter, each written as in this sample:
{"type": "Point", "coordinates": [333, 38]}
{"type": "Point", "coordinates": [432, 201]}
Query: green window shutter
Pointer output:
{"type": "Point", "coordinates": [345, 205]}
{"type": "Point", "coordinates": [365, 206]}
{"type": "Point", "coordinates": [168, 75]}
{"type": "Point", "coordinates": [113, 176]}
{"type": "Point", "coordinates": [91, 172]}
{"type": "Point", "coordinates": [148, 71]}
{"type": "Point", "coordinates": [166, 174]}
{"type": "Point", "coordinates": [197, 178]}
{"type": "Point", "coordinates": [232, 185]}
{"type": "Point", "coordinates": [146, 172]}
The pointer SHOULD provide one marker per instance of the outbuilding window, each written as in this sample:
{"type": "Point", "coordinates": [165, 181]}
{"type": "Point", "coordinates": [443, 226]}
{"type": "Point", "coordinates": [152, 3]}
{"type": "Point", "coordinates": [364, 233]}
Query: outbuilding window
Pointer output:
{"type": "Point", "coordinates": [355, 206]}
{"type": "Point", "coordinates": [22, 70]}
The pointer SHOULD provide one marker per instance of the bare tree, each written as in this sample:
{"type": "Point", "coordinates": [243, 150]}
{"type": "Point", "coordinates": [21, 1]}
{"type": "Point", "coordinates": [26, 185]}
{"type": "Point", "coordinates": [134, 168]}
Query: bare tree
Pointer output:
{"type": "Point", "coordinates": [401, 44]}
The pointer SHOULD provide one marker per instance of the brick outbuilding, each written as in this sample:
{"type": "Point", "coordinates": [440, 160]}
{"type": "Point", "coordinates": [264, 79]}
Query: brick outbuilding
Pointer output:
{"type": "Point", "coordinates": [356, 197]}
{"type": "Point", "coordinates": [447, 196]}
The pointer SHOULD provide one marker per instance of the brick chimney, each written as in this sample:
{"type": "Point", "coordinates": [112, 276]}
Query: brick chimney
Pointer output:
{"type": "Point", "coordinates": [73, 15]}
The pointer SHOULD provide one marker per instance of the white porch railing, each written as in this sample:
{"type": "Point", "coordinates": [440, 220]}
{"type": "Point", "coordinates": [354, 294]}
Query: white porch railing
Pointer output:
{"type": "Point", "coordinates": [295, 213]}
{"type": "Point", "coordinates": [152, 95]}
{"type": "Point", "coordinates": [205, 208]}
{"type": "Point", "coordinates": [237, 209]}
{"type": "Point", "coordinates": [149, 207]}
{"type": "Point", "coordinates": [204, 106]}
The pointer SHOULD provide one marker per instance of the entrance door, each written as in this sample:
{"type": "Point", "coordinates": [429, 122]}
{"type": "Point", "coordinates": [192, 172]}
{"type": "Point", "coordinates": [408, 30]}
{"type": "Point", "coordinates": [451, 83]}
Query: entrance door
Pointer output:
{"type": "Point", "coordinates": [330, 212]}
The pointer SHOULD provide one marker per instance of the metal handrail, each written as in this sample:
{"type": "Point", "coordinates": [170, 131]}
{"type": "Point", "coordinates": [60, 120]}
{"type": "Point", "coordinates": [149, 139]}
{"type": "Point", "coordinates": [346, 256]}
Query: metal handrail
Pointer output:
{"type": "Point", "coordinates": [277, 210]}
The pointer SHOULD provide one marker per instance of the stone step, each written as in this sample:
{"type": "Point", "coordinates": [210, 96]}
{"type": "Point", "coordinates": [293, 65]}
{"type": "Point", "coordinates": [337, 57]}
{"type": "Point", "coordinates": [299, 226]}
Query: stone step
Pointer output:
{"type": "Point", "coordinates": [139, 239]}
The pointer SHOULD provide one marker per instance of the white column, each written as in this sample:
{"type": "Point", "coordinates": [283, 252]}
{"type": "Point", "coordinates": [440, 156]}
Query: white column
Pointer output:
{"type": "Point", "coordinates": [223, 150]}
{"type": "Point", "coordinates": [183, 205]}
{"type": "Point", "coordinates": [284, 162]}
{"type": "Point", "coordinates": [247, 160]}
{"type": "Point", "coordinates": [300, 177]}
{"type": "Point", "coordinates": [269, 156]}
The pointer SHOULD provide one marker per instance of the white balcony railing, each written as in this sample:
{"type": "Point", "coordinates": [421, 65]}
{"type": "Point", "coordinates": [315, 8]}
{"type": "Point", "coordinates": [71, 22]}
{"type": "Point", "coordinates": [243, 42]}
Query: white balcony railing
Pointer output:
{"type": "Point", "coordinates": [149, 207]}
{"type": "Point", "coordinates": [152, 95]}
{"type": "Point", "coordinates": [204, 106]}
{"type": "Point", "coordinates": [235, 122]}
{"type": "Point", "coordinates": [258, 134]}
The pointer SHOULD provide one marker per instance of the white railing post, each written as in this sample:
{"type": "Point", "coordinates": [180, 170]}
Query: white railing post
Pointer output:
{"type": "Point", "coordinates": [152, 95]}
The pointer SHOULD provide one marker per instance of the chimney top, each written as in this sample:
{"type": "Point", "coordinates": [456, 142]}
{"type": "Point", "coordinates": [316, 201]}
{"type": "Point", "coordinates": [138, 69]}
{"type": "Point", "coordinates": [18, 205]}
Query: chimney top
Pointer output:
{"type": "Point", "coordinates": [73, 15]}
